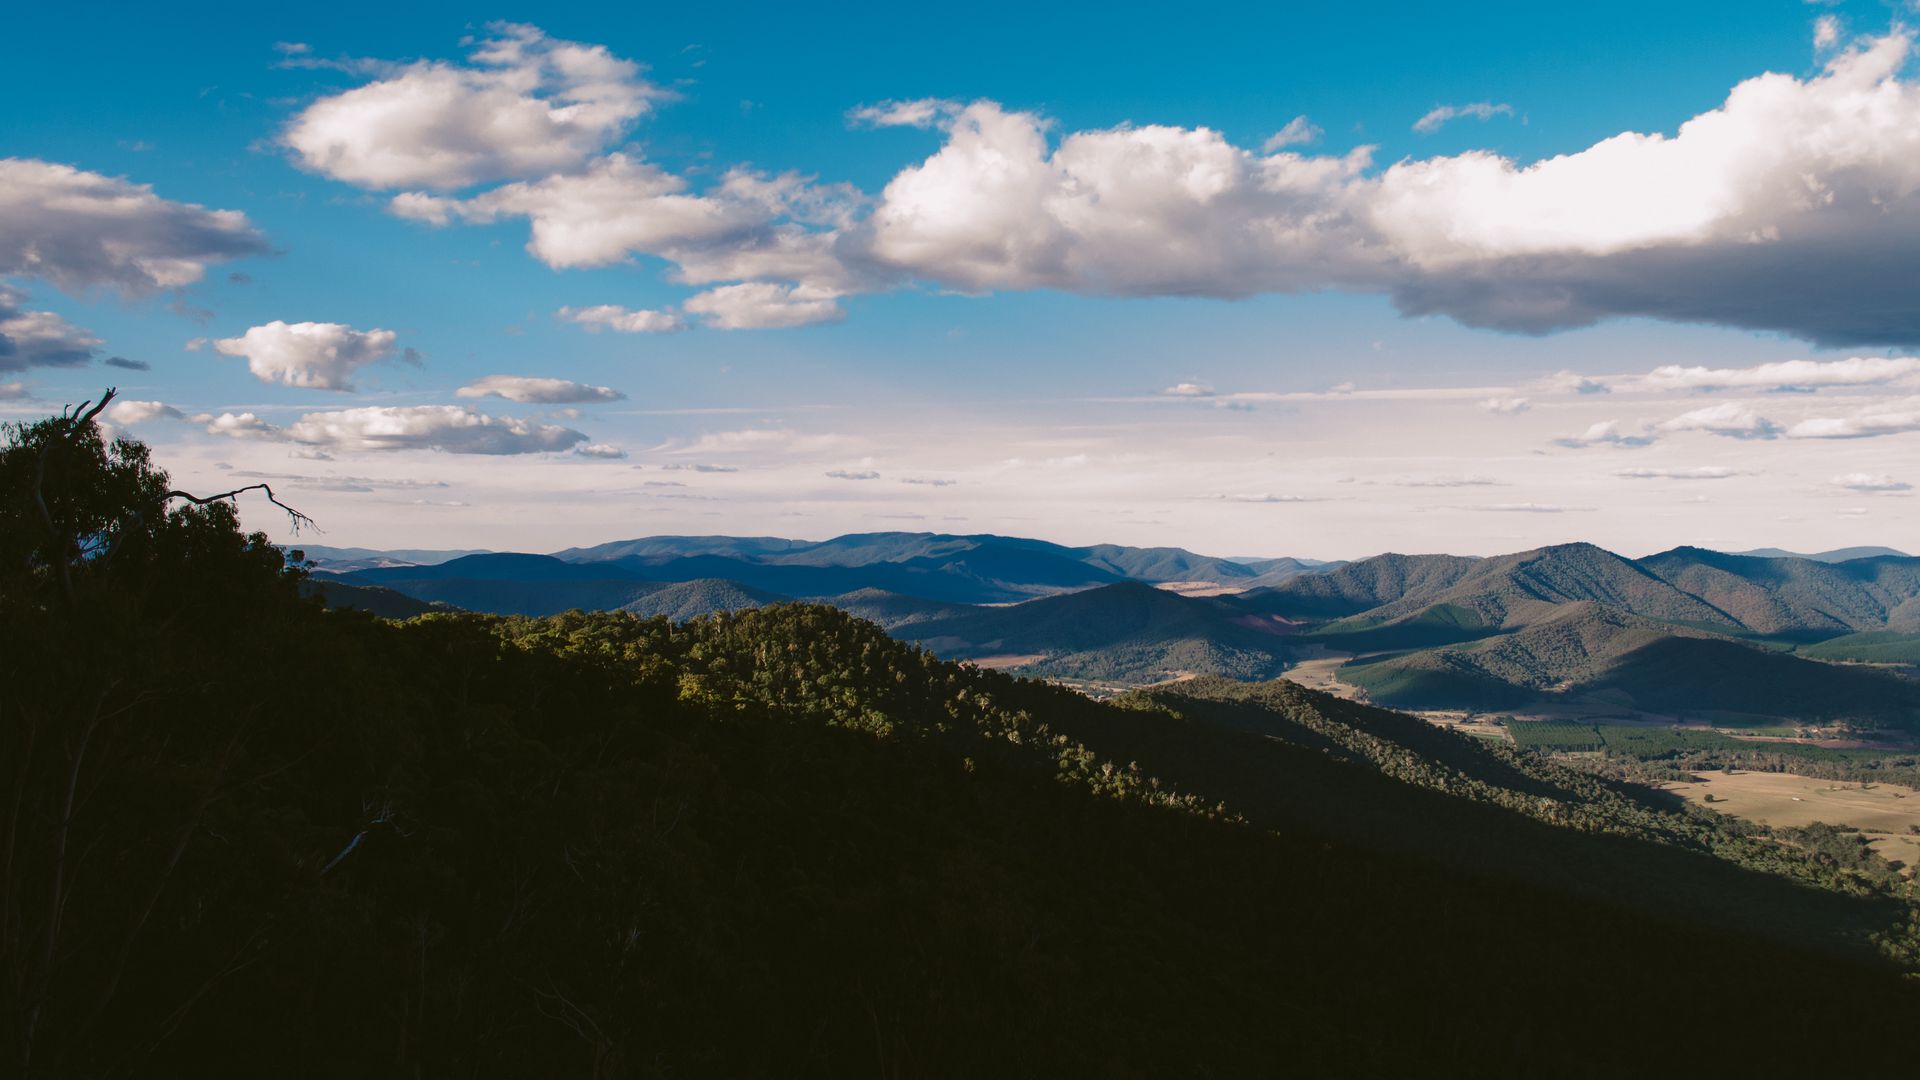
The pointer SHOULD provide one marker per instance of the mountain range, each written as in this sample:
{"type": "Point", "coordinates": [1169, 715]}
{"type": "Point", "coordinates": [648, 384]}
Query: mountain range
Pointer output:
{"type": "Point", "coordinates": [1686, 631]}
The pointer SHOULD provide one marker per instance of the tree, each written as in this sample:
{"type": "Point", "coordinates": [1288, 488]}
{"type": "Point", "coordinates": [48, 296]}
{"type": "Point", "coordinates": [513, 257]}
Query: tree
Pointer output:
{"type": "Point", "coordinates": [102, 562]}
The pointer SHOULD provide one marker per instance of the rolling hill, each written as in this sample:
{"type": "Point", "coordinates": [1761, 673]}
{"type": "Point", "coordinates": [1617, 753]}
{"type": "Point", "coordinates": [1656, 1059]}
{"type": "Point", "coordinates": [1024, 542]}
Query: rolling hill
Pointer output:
{"type": "Point", "coordinates": [1569, 622]}
{"type": "Point", "coordinates": [1127, 632]}
{"type": "Point", "coordinates": [1590, 649]}
{"type": "Point", "coordinates": [690, 599]}
{"type": "Point", "coordinates": [1836, 555]}
{"type": "Point", "coordinates": [1798, 597]}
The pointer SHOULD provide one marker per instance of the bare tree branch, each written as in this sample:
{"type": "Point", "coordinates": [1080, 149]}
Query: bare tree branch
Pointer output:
{"type": "Point", "coordinates": [300, 520]}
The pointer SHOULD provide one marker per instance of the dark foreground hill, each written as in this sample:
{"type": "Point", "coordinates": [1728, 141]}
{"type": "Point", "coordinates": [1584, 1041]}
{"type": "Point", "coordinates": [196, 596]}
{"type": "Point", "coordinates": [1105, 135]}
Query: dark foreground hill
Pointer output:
{"type": "Point", "coordinates": [255, 837]}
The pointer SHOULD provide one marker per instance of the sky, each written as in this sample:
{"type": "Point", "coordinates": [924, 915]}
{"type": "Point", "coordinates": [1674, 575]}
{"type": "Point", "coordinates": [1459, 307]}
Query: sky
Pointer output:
{"type": "Point", "coordinates": [1256, 281]}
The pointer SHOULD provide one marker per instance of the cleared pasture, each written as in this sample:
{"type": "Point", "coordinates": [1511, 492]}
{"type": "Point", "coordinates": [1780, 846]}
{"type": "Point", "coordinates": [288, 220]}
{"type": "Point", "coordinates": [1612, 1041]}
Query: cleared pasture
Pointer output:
{"type": "Point", "coordinates": [1886, 813]}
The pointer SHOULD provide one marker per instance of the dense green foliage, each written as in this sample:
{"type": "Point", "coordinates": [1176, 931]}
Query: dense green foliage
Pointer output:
{"type": "Point", "coordinates": [1127, 632]}
{"type": "Point", "coordinates": [246, 835]}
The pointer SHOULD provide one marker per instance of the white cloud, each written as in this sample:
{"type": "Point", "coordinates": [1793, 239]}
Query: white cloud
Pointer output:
{"type": "Point", "coordinates": [244, 425]}
{"type": "Point", "coordinates": [1439, 115]}
{"type": "Point", "coordinates": [80, 230]}
{"type": "Point", "coordinates": [601, 450]}
{"type": "Point", "coordinates": [450, 428]}
{"type": "Point", "coordinates": [1524, 508]}
{"type": "Point", "coordinates": [126, 412]}
{"type": "Point", "coordinates": [1188, 389]}
{"type": "Point", "coordinates": [1703, 472]}
{"type": "Point", "coordinates": [525, 105]}
{"type": "Point", "coordinates": [1783, 376]}
{"type": "Point", "coordinates": [13, 391]}
{"type": "Point", "coordinates": [1890, 419]}
{"type": "Point", "coordinates": [319, 356]}
{"type": "Point", "coordinates": [921, 113]}
{"type": "Point", "coordinates": [38, 338]}
{"type": "Point", "coordinates": [533, 390]}
{"type": "Point", "coordinates": [1731, 419]}
{"type": "Point", "coordinates": [682, 466]}
{"type": "Point", "coordinates": [1826, 32]}
{"type": "Point", "coordinates": [762, 305]}
{"type": "Point", "coordinates": [620, 205]}
{"type": "Point", "coordinates": [785, 442]}
{"type": "Point", "coordinates": [1794, 207]}
{"type": "Point", "coordinates": [1299, 131]}
{"type": "Point", "coordinates": [1505, 406]}
{"type": "Point", "coordinates": [747, 226]}
{"type": "Point", "coordinates": [624, 320]}
{"type": "Point", "coordinates": [1449, 482]}
{"type": "Point", "coordinates": [1603, 433]}
{"type": "Point", "coordinates": [1871, 482]}
{"type": "Point", "coordinates": [1266, 498]}
{"type": "Point", "coordinates": [1568, 382]}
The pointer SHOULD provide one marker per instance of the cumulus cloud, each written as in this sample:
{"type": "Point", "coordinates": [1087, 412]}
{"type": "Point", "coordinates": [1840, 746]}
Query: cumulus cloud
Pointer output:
{"type": "Point", "coordinates": [1439, 115]}
{"type": "Point", "coordinates": [533, 390]}
{"type": "Point", "coordinates": [1889, 419]}
{"type": "Point", "coordinates": [1731, 419]}
{"type": "Point", "coordinates": [449, 428]}
{"type": "Point", "coordinates": [126, 364]}
{"type": "Point", "coordinates": [1765, 213]}
{"type": "Point", "coordinates": [623, 320]}
{"type": "Point", "coordinates": [1703, 472]}
{"type": "Point", "coordinates": [1869, 482]}
{"type": "Point", "coordinates": [38, 338]}
{"type": "Point", "coordinates": [1603, 433]}
{"type": "Point", "coordinates": [762, 305]}
{"type": "Point", "coordinates": [618, 206]}
{"type": "Point", "coordinates": [1794, 206]}
{"type": "Point", "coordinates": [138, 412]}
{"type": "Point", "coordinates": [245, 425]}
{"type": "Point", "coordinates": [82, 230]}
{"type": "Point", "coordinates": [1188, 389]}
{"type": "Point", "coordinates": [849, 474]}
{"type": "Point", "coordinates": [928, 481]}
{"type": "Point", "coordinates": [1299, 131]}
{"type": "Point", "coordinates": [524, 105]}
{"type": "Point", "coordinates": [746, 226]}
{"type": "Point", "coordinates": [1505, 406]}
{"type": "Point", "coordinates": [600, 450]}
{"type": "Point", "coordinates": [320, 356]}
{"type": "Point", "coordinates": [1787, 376]}
{"type": "Point", "coordinates": [685, 466]}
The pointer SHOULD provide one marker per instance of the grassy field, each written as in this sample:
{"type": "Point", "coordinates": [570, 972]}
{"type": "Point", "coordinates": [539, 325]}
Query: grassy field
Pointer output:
{"type": "Point", "coordinates": [1884, 812]}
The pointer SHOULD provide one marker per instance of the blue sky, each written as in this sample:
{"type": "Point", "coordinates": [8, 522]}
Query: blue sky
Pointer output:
{"type": "Point", "coordinates": [1026, 348]}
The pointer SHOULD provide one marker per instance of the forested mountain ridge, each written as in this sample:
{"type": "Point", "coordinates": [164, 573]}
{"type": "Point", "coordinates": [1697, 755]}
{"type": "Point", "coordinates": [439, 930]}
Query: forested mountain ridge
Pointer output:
{"type": "Point", "coordinates": [1510, 629]}
{"type": "Point", "coordinates": [260, 836]}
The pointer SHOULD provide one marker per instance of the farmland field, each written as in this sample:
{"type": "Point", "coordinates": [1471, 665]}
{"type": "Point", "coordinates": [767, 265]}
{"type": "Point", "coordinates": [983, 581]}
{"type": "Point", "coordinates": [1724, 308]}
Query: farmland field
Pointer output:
{"type": "Point", "coordinates": [1885, 813]}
